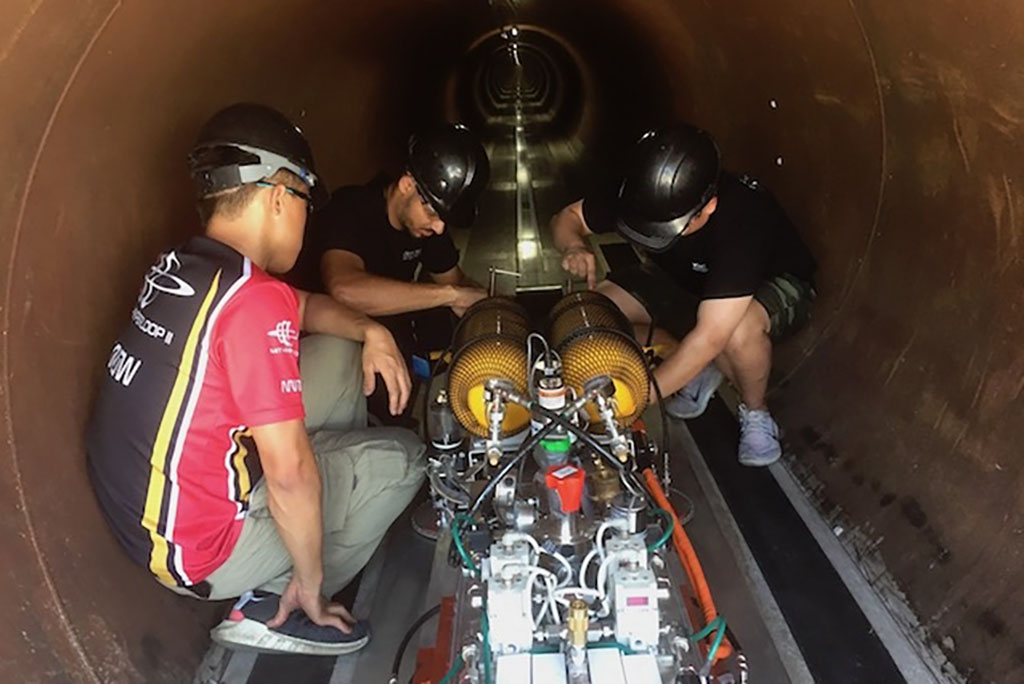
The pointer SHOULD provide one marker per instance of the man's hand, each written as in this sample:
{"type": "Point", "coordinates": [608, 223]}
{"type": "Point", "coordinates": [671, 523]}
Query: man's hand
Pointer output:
{"type": "Point", "coordinates": [466, 297]}
{"type": "Point", "coordinates": [580, 262]}
{"type": "Point", "coordinates": [381, 355]}
{"type": "Point", "coordinates": [313, 604]}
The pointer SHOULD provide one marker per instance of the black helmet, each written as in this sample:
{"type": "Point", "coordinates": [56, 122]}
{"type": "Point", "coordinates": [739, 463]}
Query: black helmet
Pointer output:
{"type": "Point", "coordinates": [670, 174]}
{"type": "Point", "coordinates": [245, 143]}
{"type": "Point", "coordinates": [451, 170]}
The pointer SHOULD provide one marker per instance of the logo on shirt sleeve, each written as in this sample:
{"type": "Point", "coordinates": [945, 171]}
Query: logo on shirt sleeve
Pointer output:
{"type": "Point", "coordinates": [291, 386]}
{"type": "Point", "coordinates": [287, 338]}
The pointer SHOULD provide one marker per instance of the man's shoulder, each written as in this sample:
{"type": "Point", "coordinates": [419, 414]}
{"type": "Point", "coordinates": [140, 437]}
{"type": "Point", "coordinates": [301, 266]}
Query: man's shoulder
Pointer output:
{"type": "Point", "coordinates": [598, 208]}
{"type": "Point", "coordinates": [357, 198]}
{"type": "Point", "coordinates": [743, 203]}
{"type": "Point", "coordinates": [262, 295]}
{"type": "Point", "coordinates": [263, 285]}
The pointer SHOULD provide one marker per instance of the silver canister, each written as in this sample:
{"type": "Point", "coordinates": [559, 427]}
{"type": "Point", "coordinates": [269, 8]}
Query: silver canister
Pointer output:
{"type": "Point", "coordinates": [632, 509]}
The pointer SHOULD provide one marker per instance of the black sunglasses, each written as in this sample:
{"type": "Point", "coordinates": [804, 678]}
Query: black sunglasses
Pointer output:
{"type": "Point", "coordinates": [426, 202]}
{"type": "Point", "coordinates": [298, 193]}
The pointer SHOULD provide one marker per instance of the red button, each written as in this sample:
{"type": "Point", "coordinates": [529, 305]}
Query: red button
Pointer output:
{"type": "Point", "coordinates": [567, 481]}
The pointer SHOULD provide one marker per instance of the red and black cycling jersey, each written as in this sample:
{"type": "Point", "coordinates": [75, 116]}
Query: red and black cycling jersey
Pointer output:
{"type": "Point", "coordinates": [211, 351]}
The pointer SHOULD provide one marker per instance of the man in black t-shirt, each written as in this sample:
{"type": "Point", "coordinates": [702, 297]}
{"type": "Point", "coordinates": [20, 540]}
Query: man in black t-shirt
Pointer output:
{"type": "Point", "coordinates": [365, 248]}
{"type": "Point", "coordinates": [722, 274]}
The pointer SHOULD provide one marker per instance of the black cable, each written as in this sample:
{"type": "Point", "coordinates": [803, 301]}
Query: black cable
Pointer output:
{"type": "Point", "coordinates": [582, 434]}
{"type": "Point", "coordinates": [593, 444]}
{"type": "Point", "coordinates": [396, 664]}
{"type": "Point", "coordinates": [554, 420]}
{"type": "Point", "coordinates": [667, 441]}
{"type": "Point", "coordinates": [507, 468]}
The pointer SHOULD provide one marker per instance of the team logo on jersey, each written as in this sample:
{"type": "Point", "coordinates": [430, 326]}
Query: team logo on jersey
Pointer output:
{"type": "Point", "coordinates": [161, 279]}
{"type": "Point", "coordinates": [286, 336]}
{"type": "Point", "coordinates": [699, 267]}
{"type": "Point", "coordinates": [411, 254]}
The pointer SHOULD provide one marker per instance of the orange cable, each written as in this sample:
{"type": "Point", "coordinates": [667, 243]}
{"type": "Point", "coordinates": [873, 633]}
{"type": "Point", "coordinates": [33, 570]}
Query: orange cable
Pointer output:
{"type": "Point", "coordinates": [688, 557]}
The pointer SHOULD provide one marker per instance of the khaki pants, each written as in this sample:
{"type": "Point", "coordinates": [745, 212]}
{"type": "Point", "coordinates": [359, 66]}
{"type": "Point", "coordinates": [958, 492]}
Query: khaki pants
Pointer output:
{"type": "Point", "coordinates": [369, 476]}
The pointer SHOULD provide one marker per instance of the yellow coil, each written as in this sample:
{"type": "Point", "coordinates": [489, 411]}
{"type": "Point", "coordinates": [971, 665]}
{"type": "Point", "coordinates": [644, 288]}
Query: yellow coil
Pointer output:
{"type": "Point", "coordinates": [490, 344]}
{"type": "Point", "coordinates": [594, 339]}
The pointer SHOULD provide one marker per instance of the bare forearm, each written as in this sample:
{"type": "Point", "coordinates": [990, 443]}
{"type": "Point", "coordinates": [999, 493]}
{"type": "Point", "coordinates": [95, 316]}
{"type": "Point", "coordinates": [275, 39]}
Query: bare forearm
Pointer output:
{"type": "Point", "coordinates": [694, 352]}
{"type": "Point", "coordinates": [322, 314]}
{"type": "Point", "coordinates": [296, 508]}
{"type": "Point", "coordinates": [567, 230]}
{"type": "Point", "coordinates": [379, 296]}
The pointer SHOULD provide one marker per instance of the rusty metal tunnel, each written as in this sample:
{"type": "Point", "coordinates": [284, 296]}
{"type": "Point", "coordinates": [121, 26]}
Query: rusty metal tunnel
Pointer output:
{"type": "Point", "coordinates": [892, 132]}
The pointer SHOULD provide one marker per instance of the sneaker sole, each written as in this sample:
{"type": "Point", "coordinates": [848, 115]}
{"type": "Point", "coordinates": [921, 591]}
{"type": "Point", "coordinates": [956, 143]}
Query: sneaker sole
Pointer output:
{"type": "Point", "coordinates": [758, 464]}
{"type": "Point", "coordinates": [256, 637]}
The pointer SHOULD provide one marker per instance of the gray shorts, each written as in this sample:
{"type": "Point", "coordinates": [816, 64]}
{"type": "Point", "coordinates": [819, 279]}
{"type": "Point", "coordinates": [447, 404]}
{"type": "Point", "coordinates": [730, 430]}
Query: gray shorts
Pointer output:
{"type": "Point", "coordinates": [786, 298]}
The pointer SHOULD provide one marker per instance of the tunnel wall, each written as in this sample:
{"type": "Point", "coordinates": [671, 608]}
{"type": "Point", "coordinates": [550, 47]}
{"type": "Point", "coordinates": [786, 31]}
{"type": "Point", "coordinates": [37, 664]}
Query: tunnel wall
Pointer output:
{"type": "Point", "coordinates": [897, 125]}
{"type": "Point", "coordinates": [905, 395]}
{"type": "Point", "coordinates": [892, 134]}
{"type": "Point", "coordinates": [102, 100]}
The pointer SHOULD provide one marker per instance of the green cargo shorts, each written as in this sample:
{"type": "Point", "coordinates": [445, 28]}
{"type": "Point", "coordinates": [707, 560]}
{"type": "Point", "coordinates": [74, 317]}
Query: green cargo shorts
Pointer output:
{"type": "Point", "coordinates": [787, 299]}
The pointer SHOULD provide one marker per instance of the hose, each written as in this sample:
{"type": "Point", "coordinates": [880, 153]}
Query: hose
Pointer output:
{"type": "Point", "coordinates": [467, 560]}
{"type": "Point", "coordinates": [449, 677]}
{"type": "Point", "coordinates": [719, 638]}
{"type": "Point", "coordinates": [669, 526]}
{"type": "Point", "coordinates": [507, 468]}
{"type": "Point", "coordinates": [582, 434]}
{"type": "Point", "coordinates": [396, 664]}
{"type": "Point", "coordinates": [485, 629]}
{"type": "Point", "coordinates": [688, 557]}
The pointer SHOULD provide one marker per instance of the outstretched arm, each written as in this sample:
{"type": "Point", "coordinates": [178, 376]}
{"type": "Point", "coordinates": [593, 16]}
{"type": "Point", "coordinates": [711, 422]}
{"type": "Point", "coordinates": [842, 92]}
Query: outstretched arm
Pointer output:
{"type": "Point", "coordinates": [569, 230]}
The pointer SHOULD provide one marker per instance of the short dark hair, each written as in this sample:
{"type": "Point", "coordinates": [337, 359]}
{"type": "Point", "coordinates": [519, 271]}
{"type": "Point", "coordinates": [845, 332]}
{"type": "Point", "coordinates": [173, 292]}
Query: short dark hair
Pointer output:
{"type": "Point", "coordinates": [230, 203]}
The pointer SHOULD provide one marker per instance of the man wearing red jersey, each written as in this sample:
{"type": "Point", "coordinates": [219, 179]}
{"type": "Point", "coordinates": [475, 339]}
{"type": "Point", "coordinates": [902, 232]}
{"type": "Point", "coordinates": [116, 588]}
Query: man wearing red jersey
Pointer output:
{"type": "Point", "coordinates": [198, 448]}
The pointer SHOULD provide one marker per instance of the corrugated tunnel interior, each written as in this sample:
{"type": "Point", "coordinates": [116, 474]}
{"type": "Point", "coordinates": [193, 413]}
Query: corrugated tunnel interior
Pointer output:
{"type": "Point", "coordinates": [890, 131]}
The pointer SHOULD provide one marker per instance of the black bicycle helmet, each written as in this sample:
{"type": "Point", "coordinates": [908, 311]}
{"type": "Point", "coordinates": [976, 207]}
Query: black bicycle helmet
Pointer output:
{"type": "Point", "coordinates": [451, 171]}
{"type": "Point", "coordinates": [245, 143]}
{"type": "Point", "coordinates": [670, 175]}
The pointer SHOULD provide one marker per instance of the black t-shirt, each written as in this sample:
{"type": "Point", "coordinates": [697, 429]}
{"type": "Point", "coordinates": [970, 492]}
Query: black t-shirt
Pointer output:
{"type": "Point", "coordinates": [747, 240]}
{"type": "Point", "coordinates": [356, 220]}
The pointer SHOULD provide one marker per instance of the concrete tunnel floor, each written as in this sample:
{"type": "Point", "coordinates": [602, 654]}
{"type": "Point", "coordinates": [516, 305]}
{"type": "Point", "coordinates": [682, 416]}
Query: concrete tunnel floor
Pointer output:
{"type": "Point", "coordinates": [890, 132]}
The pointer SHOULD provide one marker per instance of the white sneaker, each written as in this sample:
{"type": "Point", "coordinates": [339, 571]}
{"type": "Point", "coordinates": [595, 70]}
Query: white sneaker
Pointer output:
{"type": "Point", "coordinates": [759, 438]}
{"type": "Point", "coordinates": [245, 629]}
{"type": "Point", "coordinates": [692, 400]}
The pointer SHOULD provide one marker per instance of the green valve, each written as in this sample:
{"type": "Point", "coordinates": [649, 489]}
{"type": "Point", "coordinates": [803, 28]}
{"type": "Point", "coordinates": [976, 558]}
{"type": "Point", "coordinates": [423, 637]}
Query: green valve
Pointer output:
{"type": "Point", "coordinates": [559, 446]}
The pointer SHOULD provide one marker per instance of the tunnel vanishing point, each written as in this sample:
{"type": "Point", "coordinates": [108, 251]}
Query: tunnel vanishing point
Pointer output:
{"type": "Point", "coordinates": [893, 133]}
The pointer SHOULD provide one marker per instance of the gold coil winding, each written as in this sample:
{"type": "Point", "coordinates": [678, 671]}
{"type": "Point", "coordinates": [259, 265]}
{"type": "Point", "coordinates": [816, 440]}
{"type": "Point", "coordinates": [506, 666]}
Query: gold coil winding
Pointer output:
{"type": "Point", "coordinates": [594, 338]}
{"type": "Point", "coordinates": [490, 344]}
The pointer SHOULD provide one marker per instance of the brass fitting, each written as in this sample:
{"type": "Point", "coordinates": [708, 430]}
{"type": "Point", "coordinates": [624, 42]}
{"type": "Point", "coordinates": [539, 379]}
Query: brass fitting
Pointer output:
{"type": "Point", "coordinates": [579, 621]}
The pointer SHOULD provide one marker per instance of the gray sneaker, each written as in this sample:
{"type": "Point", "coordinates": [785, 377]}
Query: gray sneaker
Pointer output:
{"type": "Point", "coordinates": [691, 401]}
{"type": "Point", "coordinates": [759, 438]}
{"type": "Point", "coordinates": [245, 629]}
